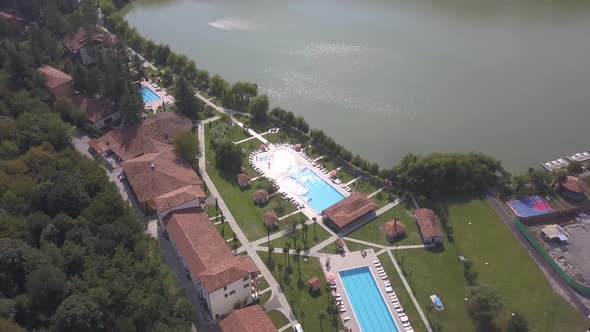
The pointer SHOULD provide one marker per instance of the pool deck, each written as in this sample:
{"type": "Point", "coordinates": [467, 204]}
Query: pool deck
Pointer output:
{"type": "Point", "coordinates": [164, 96]}
{"type": "Point", "coordinates": [351, 260]}
{"type": "Point", "coordinates": [301, 162]}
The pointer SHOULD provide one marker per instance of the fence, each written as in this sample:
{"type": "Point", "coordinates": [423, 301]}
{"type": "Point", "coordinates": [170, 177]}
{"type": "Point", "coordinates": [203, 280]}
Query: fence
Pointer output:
{"type": "Point", "coordinates": [582, 289]}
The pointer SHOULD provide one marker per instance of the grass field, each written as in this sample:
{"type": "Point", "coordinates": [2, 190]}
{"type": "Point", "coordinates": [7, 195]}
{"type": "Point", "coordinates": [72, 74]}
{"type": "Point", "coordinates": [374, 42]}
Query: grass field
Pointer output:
{"type": "Point", "coordinates": [240, 202]}
{"type": "Point", "coordinates": [373, 231]}
{"type": "Point", "coordinates": [402, 294]}
{"type": "Point", "coordinates": [355, 246]}
{"type": "Point", "coordinates": [364, 187]}
{"type": "Point", "coordinates": [321, 233]}
{"type": "Point", "coordinates": [305, 305]}
{"type": "Point", "coordinates": [278, 319]}
{"type": "Point", "coordinates": [510, 271]}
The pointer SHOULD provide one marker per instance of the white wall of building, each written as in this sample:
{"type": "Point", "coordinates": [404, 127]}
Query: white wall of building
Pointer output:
{"type": "Point", "coordinates": [237, 291]}
{"type": "Point", "coordinates": [101, 123]}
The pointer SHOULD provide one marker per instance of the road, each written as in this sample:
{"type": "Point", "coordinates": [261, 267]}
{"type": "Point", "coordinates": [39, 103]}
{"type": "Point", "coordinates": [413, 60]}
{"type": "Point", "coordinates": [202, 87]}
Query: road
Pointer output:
{"type": "Point", "coordinates": [563, 288]}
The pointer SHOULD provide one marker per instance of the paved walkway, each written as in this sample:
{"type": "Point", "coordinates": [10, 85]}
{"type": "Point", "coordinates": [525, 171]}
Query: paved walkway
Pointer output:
{"type": "Point", "coordinates": [390, 205]}
{"type": "Point", "coordinates": [290, 214]}
{"type": "Point", "coordinates": [246, 139]}
{"type": "Point", "coordinates": [353, 181]}
{"type": "Point", "coordinates": [318, 158]}
{"type": "Point", "coordinates": [375, 192]}
{"type": "Point", "coordinates": [409, 289]}
{"type": "Point", "coordinates": [285, 308]}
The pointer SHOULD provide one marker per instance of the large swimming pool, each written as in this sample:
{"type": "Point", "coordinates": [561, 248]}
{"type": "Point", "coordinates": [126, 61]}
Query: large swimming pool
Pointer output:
{"type": "Point", "coordinates": [366, 300]}
{"type": "Point", "coordinates": [318, 193]}
{"type": "Point", "coordinates": [148, 94]}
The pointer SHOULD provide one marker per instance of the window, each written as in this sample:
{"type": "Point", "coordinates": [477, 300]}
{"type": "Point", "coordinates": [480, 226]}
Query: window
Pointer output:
{"type": "Point", "coordinates": [232, 292]}
{"type": "Point", "coordinates": [246, 278]}
{"type": "Point", "coordinates": [225, 294]}
{"type": "Point", "coordinates": [246, 285]}
{"type": "Point", "coordinates": [225, 288]}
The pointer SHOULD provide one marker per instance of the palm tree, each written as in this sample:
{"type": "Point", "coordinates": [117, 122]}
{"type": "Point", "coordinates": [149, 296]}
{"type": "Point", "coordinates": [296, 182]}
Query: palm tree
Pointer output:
{"type": "Point", "coordinates": [280, 267]}
{"type": "Point", "coordinates": [285, 252]}
{"type": "Point", "coordinates": [321, 317]}
{"type": "Point", "coordinates": [271, 249]}
{"type": "Point", "coordinates": [294, 237]}
{"type": "Point", "coordinates": [267, 235]}
{"type": "Point", "coordinates": [315, 236]}
{"type": "Point", "coordinates": [305, 229]}
{"type": "Point", "coordinates": [302, 315]}
{"type": "Point", "coordinates": [298, 251]}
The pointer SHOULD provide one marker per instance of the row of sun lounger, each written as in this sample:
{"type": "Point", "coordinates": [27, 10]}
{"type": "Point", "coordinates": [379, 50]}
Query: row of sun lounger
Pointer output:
{"type": "Point", "coordinates": [393, 297]}
{"type": "Point", "coordinates": [555, 164]}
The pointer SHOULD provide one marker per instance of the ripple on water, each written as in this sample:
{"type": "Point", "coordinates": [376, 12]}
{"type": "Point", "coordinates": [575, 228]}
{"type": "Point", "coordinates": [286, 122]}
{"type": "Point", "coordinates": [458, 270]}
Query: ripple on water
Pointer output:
{"type": "Point", "coordinates": [232, 23]}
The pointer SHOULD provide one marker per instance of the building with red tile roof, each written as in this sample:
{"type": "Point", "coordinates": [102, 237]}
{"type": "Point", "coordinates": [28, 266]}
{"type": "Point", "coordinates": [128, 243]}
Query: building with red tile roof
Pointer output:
{"type": "Point", "coordinates": [154, 134]}
{"type": "Point", "coordinates": [155, 174]}
{"type": "Point", "coordinates": [248, 319]}
{"type": "Point", "coordinates": [314, 284]}
{"type": "Point", "coordinates": [99, 112]}
{"type": "Point", "coordinates": [429, 226]}
{"type": "Point", "coordinates": [393, 229]}
{"type": "Point", "coordinates": [348, 210]}
{"type": "Point", "coordinates": [573, 188]}
{"type": "Point", "coordinates": [271, 219]}
{"type": "Point", "coordinates": [83, 44]}
{"type": "Point", "coordinates": [260, 196]}
{"type": "Point", "coordinates": [222, 278]}
{"type": "Point", "coordinates": [243, 180]}
{"type": "Point", "coordinates": [185, 197]}
{"type": "Point", "coordinates": [58, 83]}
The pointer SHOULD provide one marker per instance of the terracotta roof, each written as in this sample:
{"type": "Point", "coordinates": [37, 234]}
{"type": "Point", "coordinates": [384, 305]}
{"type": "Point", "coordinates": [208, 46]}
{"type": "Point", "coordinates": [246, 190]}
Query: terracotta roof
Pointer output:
{"type": "Point", "coordinates": [54, 77]}
{"type": "Point", "coordinates": [204, 251]}
{"type": "Point", "coordinates": [156, 174]}
{"type": "Point", "coordinates": [248, 319]}
{"type": "Point", "coordinates": [243, 180]}
{"type": "Point", "coordinates": [349, 209]}
{"type": "Point", "coordinates": [154, 134]}
{"type": "Point", "coordinates": [95, 109]}
{"type": "Point", "coordinates": [270, 218]}
{"type": "Point", "coordinates": [574, 184]}
{"type": "Point", "coordinates": [75, 41]}
{"type": "Point", "coordinates": [261, 195]}
{"type": "Point", "coordinates": [314, 283]}
{"type": "Point", "coordinates": [428, 223]}
{"type": "Point", "coordinates": [394, 228]}
{"type": "Point", "coordinates": [178, 197]}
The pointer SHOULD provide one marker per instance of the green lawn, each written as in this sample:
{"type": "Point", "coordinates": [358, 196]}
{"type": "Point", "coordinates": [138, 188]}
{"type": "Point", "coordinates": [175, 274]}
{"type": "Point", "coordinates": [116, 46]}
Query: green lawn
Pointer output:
{"type": "Point", "coordinates": [265, 297]}
{"type": "Point", "coordinates": [382, 198]}
{"type": "Point", "coordinates": [236, 133]}
{"type": "Point", "coordinates": [373, 231]}
{"type": "Point", "coordinates": [278, 319]}
{"type": "Point", "coordinates": [262, 283]}
{"type": "Point", "coordinates": [240, 202]}
{"type": "Point", "coordinates": [329, 164]}
{"type": "Point", "coordinates": [402, 294]}
{"type": "Point", "coordinates": [364, 186]}
{"type": "Point", "coordinates": [306, 306]}
{"type": "Point", "coordinates": [355, 246]}
{"type": "Point", "coordinates": [321, 233]}
{"type": "Point", "coordinates": [510, 270]}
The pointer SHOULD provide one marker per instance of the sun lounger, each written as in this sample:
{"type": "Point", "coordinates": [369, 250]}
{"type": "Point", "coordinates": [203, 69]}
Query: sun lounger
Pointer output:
{"type": "Point", "coordinates": [346, 318]}
{"type": "Point", "coordinates": [388, 289]}
{"type": "Point", "coordinates": [399, 310]}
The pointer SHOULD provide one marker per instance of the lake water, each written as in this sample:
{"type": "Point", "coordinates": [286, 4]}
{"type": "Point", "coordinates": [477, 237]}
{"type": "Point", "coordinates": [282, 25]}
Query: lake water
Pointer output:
{"type": "Point", "coordinates": [386, 78]}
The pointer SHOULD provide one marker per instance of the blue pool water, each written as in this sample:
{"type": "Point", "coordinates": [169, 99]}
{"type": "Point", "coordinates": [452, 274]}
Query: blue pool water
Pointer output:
{"type": "Point", "coordinates": [366, 300]}
{"type": "Point", "coordinates": [320, 194]}
{"type": "Point", "coordinates": [148, 95]}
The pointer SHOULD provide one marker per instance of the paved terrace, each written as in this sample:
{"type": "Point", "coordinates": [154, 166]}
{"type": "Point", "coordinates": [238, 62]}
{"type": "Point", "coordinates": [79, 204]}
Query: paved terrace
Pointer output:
{"type": "Point", "coordinates": [353, 260]}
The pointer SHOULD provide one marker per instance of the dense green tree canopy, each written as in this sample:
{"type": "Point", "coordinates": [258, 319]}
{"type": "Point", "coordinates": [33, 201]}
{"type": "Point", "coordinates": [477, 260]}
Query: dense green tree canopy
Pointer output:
{"type": "Point", "coordinates": [186, 102]}
{"type": "Point", "coordinates": [186, 147]}
{"type": "Point", "coordinates": [447, 173]}
{"type": "Point", "coordinates": [238, 96]}
{"type": "Point", "coordinates": [259, 108]}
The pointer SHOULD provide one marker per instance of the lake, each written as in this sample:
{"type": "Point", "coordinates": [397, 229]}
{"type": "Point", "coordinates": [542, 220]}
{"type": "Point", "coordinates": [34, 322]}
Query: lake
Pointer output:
{"type": "Point", "coordinates": [386, 78]}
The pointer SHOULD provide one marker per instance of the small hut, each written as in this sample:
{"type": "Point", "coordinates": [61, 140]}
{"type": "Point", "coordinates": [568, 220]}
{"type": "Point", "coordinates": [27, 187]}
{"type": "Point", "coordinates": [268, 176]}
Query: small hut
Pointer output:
{"type": "Point", "coordinates": [261, 196]}
{"type": "Point", "coordinates": [271, 219]}
{"type": "Point", "coordinates": [314, 284]}
{"type": "Point", "coordinates": [573, 188]}
{"type": "Point", "coordinates": [243, 180]}
{"type": "Point", "coordinates": [394, 229]}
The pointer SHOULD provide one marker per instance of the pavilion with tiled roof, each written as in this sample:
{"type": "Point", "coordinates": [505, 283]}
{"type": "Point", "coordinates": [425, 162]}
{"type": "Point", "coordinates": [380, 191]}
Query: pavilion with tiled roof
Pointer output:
{"type": "Point", "coordinates": [248, 319]}
{"type": "Point", "coordinates": [349, 210]}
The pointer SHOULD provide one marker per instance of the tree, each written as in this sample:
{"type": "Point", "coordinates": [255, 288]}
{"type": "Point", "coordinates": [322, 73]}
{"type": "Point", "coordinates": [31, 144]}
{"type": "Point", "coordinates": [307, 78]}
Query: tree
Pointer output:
{"type": "Point", "coordinates": [285, 252]}
{"type": "Point", "coordinates": [540, 179]}
{"type": "Point", "coordinates": [484, 305]}
{"type": "Point", "coordinates": [186, 102]}
{"type": "Point", "coordinates": [517, 323]}
{"type": "Point", "coordinates": [280, 267]}
{"type": "Point", "coordinates": [305, 229]}
{"type": "Point", "coordinates": [575, 167]}
{"type": "Point", "coordinates": [239, 95]}
{"type": "Point", "coordinates": [89, 12]}
{"type": "Point", "coordinates": [46, 287]}
{"type": "Point", "coordinates": [202, 79]}
{"type": "Point", "coordinates": [321, 317]}
{"type": "Point", "coordinates": [186, 147]}
{"type": "Point", "coordinates": [161, 53]}
{"type": "Point", "coordinates": [217, 86]}
{"type": "Point", "coordinates": [271, 249]}
{"type": "Point", "coordinates": [298, 252]}
{"type": "Point", "coordinates": [315, 235]}
{"type": "Point", "coordinates": [259, 108]}
{"type": "Point", "coordinates": [228, 157]}
{"type": "Point", "coordinates": [78, 313]}
{"type": "Point", "coordinates": [130, 104]}
{"type": "Point", "coordinates": [35, 128]}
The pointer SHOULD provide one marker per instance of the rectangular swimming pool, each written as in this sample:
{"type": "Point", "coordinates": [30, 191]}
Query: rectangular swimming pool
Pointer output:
{"type": "Point", "coordinates": [320, 194]}
{"type": "Point", "coordinates": [148, 94]}
{"type": "Point", "coordinates": [366, 300]}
